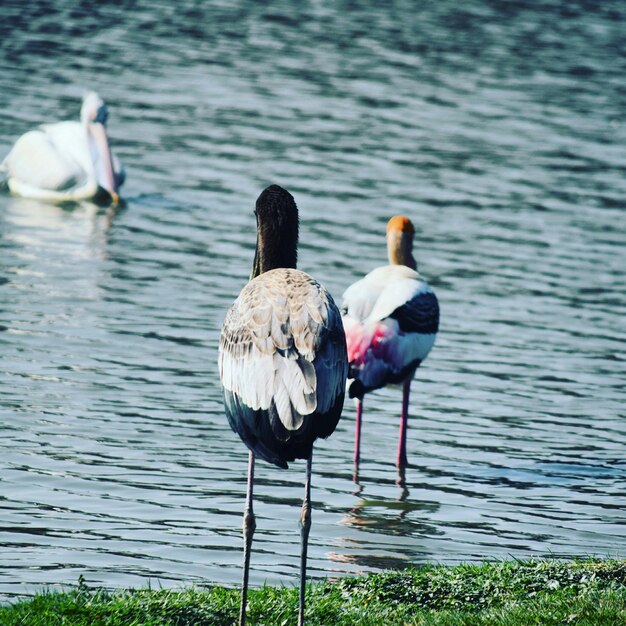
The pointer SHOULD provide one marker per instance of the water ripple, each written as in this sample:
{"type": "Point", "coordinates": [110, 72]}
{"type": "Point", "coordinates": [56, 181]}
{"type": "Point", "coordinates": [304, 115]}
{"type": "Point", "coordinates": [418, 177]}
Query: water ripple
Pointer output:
{"type": "Point", "coordinates": [498, 128]}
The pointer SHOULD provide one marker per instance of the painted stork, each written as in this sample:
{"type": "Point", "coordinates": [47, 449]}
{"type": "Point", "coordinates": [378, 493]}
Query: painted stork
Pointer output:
{"type": "Point", "coordinates": [391, 319]}
{"type": "Point", "coordinates": [67, 160]}
{"type": "Point", "coordinates": [283, 362]}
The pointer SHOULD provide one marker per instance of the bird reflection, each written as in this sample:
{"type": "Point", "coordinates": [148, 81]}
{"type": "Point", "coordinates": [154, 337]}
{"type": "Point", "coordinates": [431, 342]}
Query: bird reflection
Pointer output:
{"type": "Point", "coordinates": [34, 223]}
{"type": "Point", "coordinates": [400, 481]}
{"type": "Point", "coordinates": [401, 518]}
{"type": "Point", "coordinates": [390, 515]}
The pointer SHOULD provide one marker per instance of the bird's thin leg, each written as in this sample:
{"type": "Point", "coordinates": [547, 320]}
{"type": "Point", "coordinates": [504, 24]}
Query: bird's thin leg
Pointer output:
{"type": "Point", "coordinates": [357, 434]}
{"type": "Point", "coordinates": [406, 388]}
{"type": "Point", "coordinates": [249, 524]}
{"type": "Point", "coordinates": [305, 526]}
{"type": "Point", "coordinates": [401, 482]}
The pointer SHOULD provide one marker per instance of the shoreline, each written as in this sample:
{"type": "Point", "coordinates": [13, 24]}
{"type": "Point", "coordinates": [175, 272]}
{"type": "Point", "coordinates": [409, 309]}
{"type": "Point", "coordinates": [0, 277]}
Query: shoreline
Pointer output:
{"type": "Point", "coordinates": [537, 591]}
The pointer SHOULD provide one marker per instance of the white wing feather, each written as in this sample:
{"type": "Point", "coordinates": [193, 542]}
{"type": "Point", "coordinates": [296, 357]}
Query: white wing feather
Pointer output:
{"type": "Point", "coordinates": [381, 292]}
{"type": "Point", "coordinates": [273, 347]}
{"type": "Point", "coordinates": [36, 160]}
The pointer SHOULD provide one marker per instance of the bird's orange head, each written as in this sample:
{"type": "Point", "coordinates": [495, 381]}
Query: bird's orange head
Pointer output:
{"type": "Point", "coordinates": [400, 224]}
{"type": "Point", "coordinates": [400, 233]}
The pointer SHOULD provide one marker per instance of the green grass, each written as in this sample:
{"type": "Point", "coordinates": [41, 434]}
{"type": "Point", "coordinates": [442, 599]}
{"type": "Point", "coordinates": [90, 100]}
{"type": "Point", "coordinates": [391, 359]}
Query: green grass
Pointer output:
{"type": "Point", "coordinates": [550, 592]}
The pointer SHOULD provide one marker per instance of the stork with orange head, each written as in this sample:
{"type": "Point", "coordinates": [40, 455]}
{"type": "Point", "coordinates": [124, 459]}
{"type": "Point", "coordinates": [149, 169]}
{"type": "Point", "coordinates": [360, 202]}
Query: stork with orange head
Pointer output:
{"type": "Point", "coordinates": [391, 319]}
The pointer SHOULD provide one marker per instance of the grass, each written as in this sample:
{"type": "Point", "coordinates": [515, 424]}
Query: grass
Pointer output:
{"type": "Point", "coordinates": [585, 592]}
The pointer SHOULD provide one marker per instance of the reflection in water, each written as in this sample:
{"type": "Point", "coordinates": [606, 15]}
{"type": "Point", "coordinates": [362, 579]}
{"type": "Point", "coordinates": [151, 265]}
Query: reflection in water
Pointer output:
{"type": "Point", "coordinates": [380, 522]}
{"type": "Point", "coordinates": [391, 516]}
{"type": "Point", "coordinates": [70, 224]}
{"type": "Point", "coordinates": [400, 480]}
{"type": "Point", "coordinates": [495, 127]}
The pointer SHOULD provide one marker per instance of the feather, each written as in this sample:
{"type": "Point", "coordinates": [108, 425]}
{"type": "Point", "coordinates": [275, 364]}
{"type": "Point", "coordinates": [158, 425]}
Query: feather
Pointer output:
{"type": "Point", "coordinates": [391, 317]}
{"type": "Point", "coordinates": [36, 158]}
{"type": "Point", "coordinates": [283, 356]}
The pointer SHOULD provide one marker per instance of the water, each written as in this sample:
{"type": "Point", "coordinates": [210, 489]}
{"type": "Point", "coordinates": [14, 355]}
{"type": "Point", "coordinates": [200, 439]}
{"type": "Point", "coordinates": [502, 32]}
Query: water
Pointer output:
{"type": "Point", "coordinates": [499, 128]}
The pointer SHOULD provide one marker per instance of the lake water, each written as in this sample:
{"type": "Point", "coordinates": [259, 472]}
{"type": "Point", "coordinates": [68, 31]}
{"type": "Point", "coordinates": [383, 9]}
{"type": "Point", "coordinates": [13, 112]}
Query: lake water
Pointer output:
{"type": "Point", "coordinates": [498, 127]}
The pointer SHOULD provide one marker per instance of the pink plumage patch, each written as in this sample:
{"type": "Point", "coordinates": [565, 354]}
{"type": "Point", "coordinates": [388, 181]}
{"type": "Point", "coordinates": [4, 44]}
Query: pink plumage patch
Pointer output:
{"type": "Point", "coordinates": [367, 342]}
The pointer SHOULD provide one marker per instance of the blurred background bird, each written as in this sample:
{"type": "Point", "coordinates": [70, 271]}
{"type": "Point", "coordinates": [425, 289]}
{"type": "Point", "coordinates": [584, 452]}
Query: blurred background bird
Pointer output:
{"type": "Point", "coordinates": [66, 161]}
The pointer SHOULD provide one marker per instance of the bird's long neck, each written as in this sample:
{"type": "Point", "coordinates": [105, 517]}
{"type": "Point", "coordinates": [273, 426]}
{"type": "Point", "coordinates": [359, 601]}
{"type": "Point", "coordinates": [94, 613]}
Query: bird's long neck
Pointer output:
{"type": "Point", "coordinates": [277, 231]}
{"type": "Point", "coordinates": [400, 249]}
{"type": "Point", "coordinates": [274, 249]}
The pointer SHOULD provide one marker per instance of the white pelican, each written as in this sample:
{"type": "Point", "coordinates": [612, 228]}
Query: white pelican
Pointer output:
{"type": "Point", "coordinates": [67, 160]}
{"type": "Point", "coordinates": [283, 362]}
{"type": "Point", "coordinates": [391, 319]}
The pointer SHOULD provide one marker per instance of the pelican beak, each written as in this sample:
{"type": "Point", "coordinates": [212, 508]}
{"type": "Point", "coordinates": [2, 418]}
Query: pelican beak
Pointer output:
{"type": "Point", "coordinates": [103, 160]}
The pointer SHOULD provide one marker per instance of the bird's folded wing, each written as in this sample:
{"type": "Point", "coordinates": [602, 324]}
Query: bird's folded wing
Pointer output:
{"type": "Point", "coordinates": [280, 349]}
{"type": "Point", "coordinates": [36, 160]}
{"type": "Point", "coordinates": [331, 362]}
{"type": "Point", "coordinates": [359, 299]}
{"type": "Point", "coordinates": [420, 314]}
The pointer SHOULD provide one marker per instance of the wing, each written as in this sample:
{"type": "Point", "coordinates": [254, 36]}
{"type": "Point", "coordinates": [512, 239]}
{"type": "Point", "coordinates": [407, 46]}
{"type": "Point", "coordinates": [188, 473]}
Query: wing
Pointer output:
{"type": "Point", "coordinates": [282, 347]}
{"type": "Point", "coordinates": [381, 291]}
{"type": "Point", "coordinates": [246, 356]}
{"type": "Point", "coordinates": [360, 298]}
{"type": "Point", "coordinates": [36, 160]}
{"type": "Point", "coordinates": [397, 333]}
{"type": "Point", "coordinates": [331, 362]}
{"type": "Point", "coordinates": [420, 314]}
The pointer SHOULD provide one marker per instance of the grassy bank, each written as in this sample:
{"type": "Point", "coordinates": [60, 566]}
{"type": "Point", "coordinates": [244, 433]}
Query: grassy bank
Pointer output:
{"type": "Point", "coordinates": [531, 592]}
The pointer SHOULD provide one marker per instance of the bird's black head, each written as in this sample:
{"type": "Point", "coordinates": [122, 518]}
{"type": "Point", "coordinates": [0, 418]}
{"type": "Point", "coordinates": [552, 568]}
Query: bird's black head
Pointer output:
{"type": "Point", "coordinates": [277, 230]}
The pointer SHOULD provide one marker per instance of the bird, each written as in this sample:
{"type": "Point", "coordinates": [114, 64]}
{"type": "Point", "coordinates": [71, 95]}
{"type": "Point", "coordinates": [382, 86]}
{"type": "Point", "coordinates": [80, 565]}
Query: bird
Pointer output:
{"type": "Point", "coordinates": [391, 319]}
{"type": "Point", "coordinates": [282, 362]}
{"type": "Point", "coordinates": [66, 161]}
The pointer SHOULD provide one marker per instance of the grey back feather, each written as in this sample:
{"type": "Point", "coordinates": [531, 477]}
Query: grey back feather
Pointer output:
{"type": "Point", "coordinates": [282, 343]}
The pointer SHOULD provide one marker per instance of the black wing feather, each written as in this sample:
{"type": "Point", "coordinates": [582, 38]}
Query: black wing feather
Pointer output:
{"type": "Point", "coordinates": [419, 315]}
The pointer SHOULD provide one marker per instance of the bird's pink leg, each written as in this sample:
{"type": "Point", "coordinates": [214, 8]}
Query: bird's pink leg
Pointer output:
{"type": "Point", "coordinates": [249, 525]}
{"type": "Point", "coordinates": [357, 433]}
{"type": "Point", "coordinates": [305, 526]}
{"type": "Point", "coordinates": [406, 388]}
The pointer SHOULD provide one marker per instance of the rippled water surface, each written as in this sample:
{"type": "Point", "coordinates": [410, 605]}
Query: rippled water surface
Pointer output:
{"type": "Point", "coordinates": [499, 128]}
